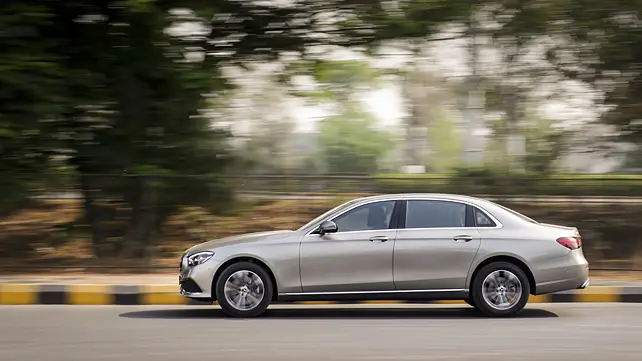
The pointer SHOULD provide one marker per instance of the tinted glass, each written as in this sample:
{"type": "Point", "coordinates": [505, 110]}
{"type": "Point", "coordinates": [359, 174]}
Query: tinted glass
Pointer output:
{"type": "Point", "coordinates": [371, 216]}
{"type": "Point", "coordinates": [482, 219]}
{"type": "Point", "coordinates": [435, 214]}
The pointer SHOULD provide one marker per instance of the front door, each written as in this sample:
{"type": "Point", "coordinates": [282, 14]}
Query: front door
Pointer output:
{"type": "Point", "coordinates": [358, 257]}
{"type": "Point", "coordinates": [436, 249]}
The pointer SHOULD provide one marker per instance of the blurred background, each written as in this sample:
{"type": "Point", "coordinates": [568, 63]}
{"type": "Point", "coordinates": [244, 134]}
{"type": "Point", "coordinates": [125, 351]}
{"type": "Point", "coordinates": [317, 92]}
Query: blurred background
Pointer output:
{"type": "Point", "coordinates": [133, 129]}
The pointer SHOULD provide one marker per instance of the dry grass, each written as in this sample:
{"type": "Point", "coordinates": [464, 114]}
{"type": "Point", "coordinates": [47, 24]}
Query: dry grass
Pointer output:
{"type": "Point", "coordinates": [50, 232]}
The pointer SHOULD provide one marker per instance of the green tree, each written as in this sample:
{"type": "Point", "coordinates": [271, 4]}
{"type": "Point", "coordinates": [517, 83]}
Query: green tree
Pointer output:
{"type": "Point", "coordinates": [105, 85]}
{"type": "Point", "coordinates": [446, 142]}
{"type": "Point", "coordinates": [32, 91]}
{"type": "Point", "coordinates": [545, 144]}
{"type": "Point", "coordinates": [350, 143]}
{"type": "Point", "coordinates": [599, 44]}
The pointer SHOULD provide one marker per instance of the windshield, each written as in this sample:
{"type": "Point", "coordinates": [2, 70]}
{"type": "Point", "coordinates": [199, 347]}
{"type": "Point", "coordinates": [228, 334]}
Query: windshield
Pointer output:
{"type": "Point", "coordinates": [326, 214]}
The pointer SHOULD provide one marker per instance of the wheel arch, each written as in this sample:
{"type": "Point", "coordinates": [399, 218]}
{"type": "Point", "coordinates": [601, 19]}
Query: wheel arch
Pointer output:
{"type": "Point", "coordinates": [510, 259]}
{"type": "Point", "coordinates": [251, 259]}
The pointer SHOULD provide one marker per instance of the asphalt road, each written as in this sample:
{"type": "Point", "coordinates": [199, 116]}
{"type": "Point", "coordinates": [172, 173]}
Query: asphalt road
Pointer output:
{"type": "Point", "coordinates": [543, 332]}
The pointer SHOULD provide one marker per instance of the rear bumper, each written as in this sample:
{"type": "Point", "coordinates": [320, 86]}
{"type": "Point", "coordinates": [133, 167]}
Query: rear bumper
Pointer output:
{"type": "Point", "coordinates": [584, 285]}
{"type": "Point", "coordinates": [564, 274]}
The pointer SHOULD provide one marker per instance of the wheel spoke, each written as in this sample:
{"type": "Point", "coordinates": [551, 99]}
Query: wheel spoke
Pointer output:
{"type": "Point", "coordinates": [244, 290]}
{"type": "Point", "coordinates": [254, 300]}
{"type": "Point", "coordinates": [501, 289]}
{"type": "Point", "coordinates": [238, 301]}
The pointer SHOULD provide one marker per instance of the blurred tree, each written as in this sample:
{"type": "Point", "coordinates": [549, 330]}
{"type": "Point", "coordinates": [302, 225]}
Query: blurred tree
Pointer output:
{"type": "Point", "coordinates": [425, 96]}
{"type": "Point", "coordinates": [134, 108]}
{"type": "Point", "coordinates": [32, 91]}
{"type": "Point", "coordinates": [545, 144]}
{"type": "Point", "coordinates": [109, 86]}
{"type": "Point", "coordinates": [262, 129]}
{"type": "Point", "coordinates": [350, 143]}
{"type": "Point", "coordinates": [518, 32]}
{"type": "Point", "coordinates": [446, 142]}
{"type": "Point", "coordinates": [600, 44]}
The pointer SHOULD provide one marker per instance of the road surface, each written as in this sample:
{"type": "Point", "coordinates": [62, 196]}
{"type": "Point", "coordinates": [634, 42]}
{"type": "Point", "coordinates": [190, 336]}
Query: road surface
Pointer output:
{"type": "Point", "coordinates": [546, 332]}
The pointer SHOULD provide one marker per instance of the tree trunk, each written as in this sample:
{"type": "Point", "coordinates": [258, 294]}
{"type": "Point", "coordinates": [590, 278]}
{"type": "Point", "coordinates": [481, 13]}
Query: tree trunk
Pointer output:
{"type": "Point", "coordinates": [142, 221]}
{"type": "Point", "coordinates": [92, 215]}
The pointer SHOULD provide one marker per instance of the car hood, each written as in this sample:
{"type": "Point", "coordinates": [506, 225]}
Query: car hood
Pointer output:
{"type": "Point", "coordinates": [238, 239]}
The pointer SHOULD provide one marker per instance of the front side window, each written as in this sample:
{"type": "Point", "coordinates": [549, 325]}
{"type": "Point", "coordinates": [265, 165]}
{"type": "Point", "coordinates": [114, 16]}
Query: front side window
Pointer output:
{"type": "Point", "coordinates": [435, 214]}
{"type": "Point", "coordinates": [369, 217]}
{"type": "Point", "coordinates": [325, 215]}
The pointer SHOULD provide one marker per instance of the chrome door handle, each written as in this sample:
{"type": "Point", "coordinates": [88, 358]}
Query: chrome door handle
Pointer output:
{"type": "Point", "coordinates": [463, 238]}
{"type": "Point", "coordinates": [378, 239]}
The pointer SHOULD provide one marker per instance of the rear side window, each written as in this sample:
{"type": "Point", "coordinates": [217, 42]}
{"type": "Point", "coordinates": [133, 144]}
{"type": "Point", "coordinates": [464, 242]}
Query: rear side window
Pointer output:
{"type": "Point", "coordinates": [482, 220]}
{"type": "Point", "coordinates": [435, 214]}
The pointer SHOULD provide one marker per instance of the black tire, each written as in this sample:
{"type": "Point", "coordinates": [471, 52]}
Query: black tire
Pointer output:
{"type": "Point", "coordinates": [470, 302]}
{"type": "Point", "coordinates": [229, 308]}
{"type": "Point", "coordinates": [487, 307]}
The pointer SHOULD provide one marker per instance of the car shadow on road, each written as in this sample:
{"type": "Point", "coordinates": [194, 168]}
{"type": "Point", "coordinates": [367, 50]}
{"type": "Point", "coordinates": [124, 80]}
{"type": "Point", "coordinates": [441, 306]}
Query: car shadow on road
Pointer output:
{"type": "Point", "coordinates": [334, 313]}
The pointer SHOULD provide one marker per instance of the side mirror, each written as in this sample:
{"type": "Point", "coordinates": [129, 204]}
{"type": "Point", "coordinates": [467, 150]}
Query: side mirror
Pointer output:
{"type": "Point", "coordinates": [328, 227]}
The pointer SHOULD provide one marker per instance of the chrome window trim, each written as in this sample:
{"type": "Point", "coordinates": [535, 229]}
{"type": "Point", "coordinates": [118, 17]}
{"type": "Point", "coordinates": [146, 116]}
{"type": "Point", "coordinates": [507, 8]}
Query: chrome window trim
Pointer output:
{"type": "Point", "coordinates": [333, 217]}
{"type": "Point", "coordinates": [498, 224]}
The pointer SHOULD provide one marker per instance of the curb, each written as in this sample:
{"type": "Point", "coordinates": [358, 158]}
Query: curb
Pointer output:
{"type": "Point", "coordinates": [77, 294]}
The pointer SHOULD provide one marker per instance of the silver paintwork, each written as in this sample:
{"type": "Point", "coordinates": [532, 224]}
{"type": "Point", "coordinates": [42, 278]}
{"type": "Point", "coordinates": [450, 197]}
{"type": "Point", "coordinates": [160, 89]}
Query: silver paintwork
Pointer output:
{"type": "Point", "coordinates": [423, 260]}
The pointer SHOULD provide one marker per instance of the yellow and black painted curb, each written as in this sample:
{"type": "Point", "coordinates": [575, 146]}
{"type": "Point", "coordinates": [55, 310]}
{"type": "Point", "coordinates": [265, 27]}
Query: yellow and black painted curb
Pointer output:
{"type": "Point", "coordinates": [77, 294]}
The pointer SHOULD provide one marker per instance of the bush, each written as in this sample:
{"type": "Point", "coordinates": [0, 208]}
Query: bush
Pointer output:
{"type": "Point", "coordinates": [483, 182]}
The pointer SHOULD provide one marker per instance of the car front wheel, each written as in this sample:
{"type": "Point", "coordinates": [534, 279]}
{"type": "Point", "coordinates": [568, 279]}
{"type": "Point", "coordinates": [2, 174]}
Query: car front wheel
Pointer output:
{"type": "Point", "coordinates": [244, 289]}
{"type": "Point", "coordinates": [500, 289]}
{"type": "Point", "coordinates": [470, 302]}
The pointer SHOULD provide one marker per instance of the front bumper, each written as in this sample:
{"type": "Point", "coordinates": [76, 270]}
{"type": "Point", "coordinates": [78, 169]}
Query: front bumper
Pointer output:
{"type": "Point", "coordinates": [196, 281]}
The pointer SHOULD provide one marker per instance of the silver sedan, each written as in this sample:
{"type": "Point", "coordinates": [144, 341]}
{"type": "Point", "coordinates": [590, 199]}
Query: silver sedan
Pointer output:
{"type": "Point", "coordinates": [393, 247]}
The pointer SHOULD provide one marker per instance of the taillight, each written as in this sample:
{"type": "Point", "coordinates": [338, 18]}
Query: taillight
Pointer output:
{"type": "Point", "coordinates": [570, 242]}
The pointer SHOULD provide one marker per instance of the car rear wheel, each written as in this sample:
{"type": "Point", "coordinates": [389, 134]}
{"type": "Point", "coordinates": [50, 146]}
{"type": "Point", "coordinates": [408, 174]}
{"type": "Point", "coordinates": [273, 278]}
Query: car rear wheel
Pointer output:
{"type": "Point", "coordinates": [244, 289]}
{"type": "Point", "coordinates": [500, 289]}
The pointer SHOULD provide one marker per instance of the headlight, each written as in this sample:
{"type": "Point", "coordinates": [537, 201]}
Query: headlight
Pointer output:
{"type": "Point", "coordinates": [199, 258]}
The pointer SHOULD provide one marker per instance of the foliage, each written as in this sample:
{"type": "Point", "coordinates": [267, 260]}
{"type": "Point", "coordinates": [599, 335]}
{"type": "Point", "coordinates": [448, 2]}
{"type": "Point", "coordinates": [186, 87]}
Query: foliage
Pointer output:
{"type": "Point", "coordinates": [544, 146]}
{"type": "Point", "coordinates": [600, 44]}
{"type": "Point", "coordinates": [350, 143]}
{"type": "Point", "coordinates": [113, 87]}
{"type": "Point", "coordinates": [445, 141]}
{"type": "Point", "coordinates": [30, 91]}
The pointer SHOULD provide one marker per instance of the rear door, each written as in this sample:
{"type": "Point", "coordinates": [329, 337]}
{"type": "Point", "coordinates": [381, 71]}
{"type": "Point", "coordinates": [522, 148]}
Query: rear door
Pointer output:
{"type": "Point", "coordinates": [435, 246]}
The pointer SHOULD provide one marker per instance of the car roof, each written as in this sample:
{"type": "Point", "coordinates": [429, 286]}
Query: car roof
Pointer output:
{"type": "Point", "coordinates": [421, 195]}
